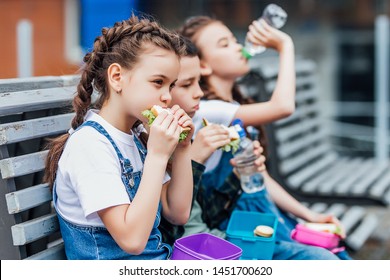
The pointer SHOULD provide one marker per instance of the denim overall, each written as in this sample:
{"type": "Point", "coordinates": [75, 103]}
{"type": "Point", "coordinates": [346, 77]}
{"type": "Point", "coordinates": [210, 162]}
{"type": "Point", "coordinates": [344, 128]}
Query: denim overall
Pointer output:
{"type": "Point", "coordinates": [90, 242]}
{"type": "Point", "coordinates": [286, 247]}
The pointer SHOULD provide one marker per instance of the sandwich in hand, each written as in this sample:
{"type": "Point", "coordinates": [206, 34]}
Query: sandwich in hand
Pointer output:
{"type": "Point", "coordinates": [153, 113]}
{"type": "Point", "coordinates": [234, 137]}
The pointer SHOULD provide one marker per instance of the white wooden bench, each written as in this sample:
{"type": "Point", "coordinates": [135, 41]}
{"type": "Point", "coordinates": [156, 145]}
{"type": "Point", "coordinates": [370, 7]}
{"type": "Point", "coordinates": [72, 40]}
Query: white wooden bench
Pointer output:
{"type": "Point", "coordinates": [302, 155]}
{"type": "Point", "coordinates": [301, 158]}
{"type": "Point", "coordinates": [31, 109]}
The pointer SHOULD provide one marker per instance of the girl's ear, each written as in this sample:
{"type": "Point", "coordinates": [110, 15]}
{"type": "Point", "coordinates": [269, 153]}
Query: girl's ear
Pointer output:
{"type": "Point", "coordinates": [205, 69]}
{"type": "Point", "coordinates": [114, 77]}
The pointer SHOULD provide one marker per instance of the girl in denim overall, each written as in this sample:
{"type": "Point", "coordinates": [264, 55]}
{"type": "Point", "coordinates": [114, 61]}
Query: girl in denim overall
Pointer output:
{"type": "Point", "coordinates": [221, 64]}
{"type": "Point", "coordinates": [109, 191]}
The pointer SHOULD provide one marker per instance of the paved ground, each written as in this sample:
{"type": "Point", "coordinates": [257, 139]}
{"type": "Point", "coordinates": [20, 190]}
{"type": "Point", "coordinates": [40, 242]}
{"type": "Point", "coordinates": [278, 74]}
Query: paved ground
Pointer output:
{"type": "Point", "coordinates": [378, 246]}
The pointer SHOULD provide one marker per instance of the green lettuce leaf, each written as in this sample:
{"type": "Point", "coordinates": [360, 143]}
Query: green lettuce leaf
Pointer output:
{"type": "Point", "coordinates": [149, 115]}
{"type": "Point", "coordinates": [183, 135]}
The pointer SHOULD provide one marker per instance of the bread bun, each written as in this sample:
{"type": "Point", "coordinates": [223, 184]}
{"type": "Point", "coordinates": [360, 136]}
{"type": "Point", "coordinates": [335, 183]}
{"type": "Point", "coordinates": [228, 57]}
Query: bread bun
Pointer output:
{"type": "Point", "coordinates": [156, 109]}
{"type": "Point", "coordinates": [326, 227]}
{"type": "Point", "coordinates": [263, 231]}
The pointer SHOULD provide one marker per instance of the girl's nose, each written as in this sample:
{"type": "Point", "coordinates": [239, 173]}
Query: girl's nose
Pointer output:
{"type": "Point", "coordinates": [198, 92]}
{"type": "Point", "coordinates": [166, 97]}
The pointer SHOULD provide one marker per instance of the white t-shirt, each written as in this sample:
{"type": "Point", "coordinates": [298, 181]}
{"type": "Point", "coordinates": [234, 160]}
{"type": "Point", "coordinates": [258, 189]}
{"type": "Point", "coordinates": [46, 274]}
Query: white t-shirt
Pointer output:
{"type": "Point", "coordinates": [219, 112]}
{"type": "Point", "coordinates": [89, 173]}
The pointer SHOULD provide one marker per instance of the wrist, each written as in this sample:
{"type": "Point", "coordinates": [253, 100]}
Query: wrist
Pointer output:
{"type": "Point", "coordinates": [286, 45]}
{"type": "Point", "coordinates": [157, 159]}
{"type": "Point", "coordinates": [182, 151]}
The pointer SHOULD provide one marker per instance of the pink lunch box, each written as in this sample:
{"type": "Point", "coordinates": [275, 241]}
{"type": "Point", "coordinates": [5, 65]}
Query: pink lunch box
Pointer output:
{"type": "Point", "coordinates": [313, 237]}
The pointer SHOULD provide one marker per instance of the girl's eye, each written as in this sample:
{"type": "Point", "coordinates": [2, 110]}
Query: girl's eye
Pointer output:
{"type": "Point", "coordinates": [172, 86]}
{"type": "Point", "coordinates": [158, 82]}
{"type": "Point", "coordinates": [186, 85]}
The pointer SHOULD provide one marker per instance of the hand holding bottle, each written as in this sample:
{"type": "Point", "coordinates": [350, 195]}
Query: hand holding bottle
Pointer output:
{"type": "Point", "coordinates": [260, 158]}
{"type": "Point", "coordinates": [245, 158]}
{"type": "Point", "coordinates": [263, 32]}
{"type": "Point", "coordinates": [263, 36]}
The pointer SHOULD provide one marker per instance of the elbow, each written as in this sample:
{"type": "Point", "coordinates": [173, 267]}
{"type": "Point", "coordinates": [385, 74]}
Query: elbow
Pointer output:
{"type": "Point", "coordinates": [133, 247]}
{"type": "Point", "coordinates": [287, 110]}
{"type": "Point", "coordinates": [181, 218]}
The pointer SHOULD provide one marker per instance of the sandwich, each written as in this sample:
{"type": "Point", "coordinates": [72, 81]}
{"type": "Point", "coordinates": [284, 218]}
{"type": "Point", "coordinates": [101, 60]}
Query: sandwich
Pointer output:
{"type": "Point", "coordinates": [153, 112]}
{"type": "Point", "coordinates": [325, 227]}
{"type": "Point", "coordinates": [234, 137]}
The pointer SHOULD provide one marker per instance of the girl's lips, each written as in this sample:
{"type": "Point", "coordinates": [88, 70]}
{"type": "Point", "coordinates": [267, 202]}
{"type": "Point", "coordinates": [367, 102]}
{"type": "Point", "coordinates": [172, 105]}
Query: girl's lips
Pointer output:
{"type": "Point", "coordinates": [196, 108]}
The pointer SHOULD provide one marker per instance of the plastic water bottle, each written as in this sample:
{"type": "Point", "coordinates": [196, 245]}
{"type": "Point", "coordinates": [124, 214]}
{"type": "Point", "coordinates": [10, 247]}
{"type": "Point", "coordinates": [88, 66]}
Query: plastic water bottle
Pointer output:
{"type": "Point", "coordinates": [276, 17]}
{"type": "Point", "coordinates": [251, 180]}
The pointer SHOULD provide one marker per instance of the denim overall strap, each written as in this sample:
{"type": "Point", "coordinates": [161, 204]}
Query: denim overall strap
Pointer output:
{"type": "Point", "coordinates": [91, 242]}
{"type": "Point", "coordinates": [142, 150]}
{"type": "Point", "coordinates": [101, 129]}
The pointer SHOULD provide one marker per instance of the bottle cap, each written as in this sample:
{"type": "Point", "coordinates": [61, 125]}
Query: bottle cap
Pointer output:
{"type": "Point", "coordinates": [246, 54]}
{"type": "Point", "coordinates": [239, 126]}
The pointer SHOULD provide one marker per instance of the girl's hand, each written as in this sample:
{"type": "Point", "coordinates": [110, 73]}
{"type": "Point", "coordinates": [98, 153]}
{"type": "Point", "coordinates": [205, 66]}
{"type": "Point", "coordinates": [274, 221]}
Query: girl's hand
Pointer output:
{"type": "Point", "coordinates": [207, 141]}
{"type": "Point", "coordinates": [184, 121]}
{"type": "Point", "coordinates": [260, 161]}
{"type": "Point", "coordinates": [164, 135]}
{"type": "Point", "coordinates": [261, 33]}
{"type": "Point", "coordinates": [327, 218]}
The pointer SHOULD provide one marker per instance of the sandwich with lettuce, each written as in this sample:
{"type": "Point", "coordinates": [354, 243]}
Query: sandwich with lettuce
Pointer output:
{"type": "Point", "coordinates": [233, 135]}
{"type": "Point", "coordinates": [152, 113]}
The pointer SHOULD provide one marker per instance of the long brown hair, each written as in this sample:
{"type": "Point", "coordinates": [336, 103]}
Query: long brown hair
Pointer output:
{"type": "Point", "coordinates": [190, 29]}
{"type": "Point", "coordinates": [123, 44]}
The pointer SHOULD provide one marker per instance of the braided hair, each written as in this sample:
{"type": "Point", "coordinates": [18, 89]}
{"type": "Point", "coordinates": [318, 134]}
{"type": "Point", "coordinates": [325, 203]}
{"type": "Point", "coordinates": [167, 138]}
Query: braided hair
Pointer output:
{"type": "Point", "coordinates": [123, 44]}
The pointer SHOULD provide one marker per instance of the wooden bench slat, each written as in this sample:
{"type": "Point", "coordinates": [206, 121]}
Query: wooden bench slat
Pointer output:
{"type": "Point", "coordinates": [23, 84]}
{"type": "Point", "coordinates": [35, 229]}
{"type": "Point", "coordinates": [351, 217]}
{"type": "Point", "coordinates": [311, 185]}
{"type": "Point", "coordinates": [319, 207]}
{"type": "Point", "coordinates": [305, 95]}
{"type": "Point", "coordinates": [339, 174]}
{"type": "Point", "coordinates": [359, 236]}
{"type": "Point", "coordinates": [299, 113]}
{"type": "Point", "coordinates": [336, 209]}
{"type": "Point", "coordinates": [272, 70]}
{"type": "Point", "coordinates": [26, 101]}
{"type": "Point", "coordinates": [35, 128]}
{"type": "Point", "coordinates": [285, 133]}
{"type": "Point", "coordinates": [22, 165]}
{"type": "Point", "coordinates": [301, 82]}
{"type": "Point", "coordinates": [304, 142]}
{"type": "Point", "coordinates": [292, 164]}
{"type": "Point", "coordinates": [358, 173]}
{"type": "Point", "coordinates": [302, 175]}
{"type": "Point", "coordinates": [376, 171]}
{"type": "Point", "coordinates": [27, 198]}
{"type": "Point", "coordinates": [380, 187]}
{"type": "Point", "coordinates": [56, 252]}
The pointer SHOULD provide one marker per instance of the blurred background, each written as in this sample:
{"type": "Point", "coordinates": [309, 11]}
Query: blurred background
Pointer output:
{"type": "Point", "coordinates": [50, 37]}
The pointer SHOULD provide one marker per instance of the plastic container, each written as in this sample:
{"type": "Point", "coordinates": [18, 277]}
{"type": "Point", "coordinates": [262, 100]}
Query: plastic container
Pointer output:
{"type": "Point", "coordinates": [204, 246]}
{"type": "Point", "coordinates": [240, 232]}
{"type": "Point", "coordinates": [313, 237]}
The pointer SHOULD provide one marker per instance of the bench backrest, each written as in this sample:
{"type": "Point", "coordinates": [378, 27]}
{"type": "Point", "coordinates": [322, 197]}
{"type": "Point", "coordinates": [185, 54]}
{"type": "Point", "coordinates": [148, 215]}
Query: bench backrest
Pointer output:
{"type": "Point", "coordinates": [31, 110]}
{"type": "Point", "coordinates": [301, 156]}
